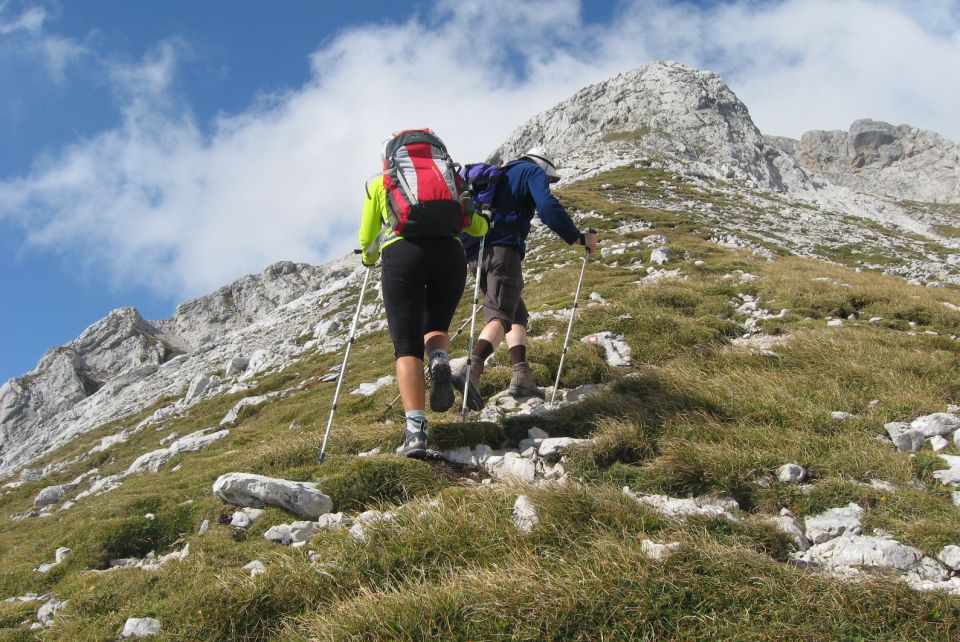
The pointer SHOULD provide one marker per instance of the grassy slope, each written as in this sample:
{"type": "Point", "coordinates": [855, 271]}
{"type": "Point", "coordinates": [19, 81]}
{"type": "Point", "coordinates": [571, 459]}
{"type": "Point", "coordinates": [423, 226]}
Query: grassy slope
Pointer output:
{"type": "Point", "coordinates": [695, 416]}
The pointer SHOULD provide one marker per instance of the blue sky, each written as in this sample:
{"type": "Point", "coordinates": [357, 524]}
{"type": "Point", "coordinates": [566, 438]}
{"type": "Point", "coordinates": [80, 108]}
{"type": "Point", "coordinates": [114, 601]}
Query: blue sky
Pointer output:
{"type": "Point", "coordinates": [154, 150]}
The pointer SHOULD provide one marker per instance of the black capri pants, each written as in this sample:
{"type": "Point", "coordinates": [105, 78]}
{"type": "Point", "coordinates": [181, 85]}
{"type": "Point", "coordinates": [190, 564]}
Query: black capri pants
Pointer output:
{"type": "Point", "coordinates": [423, 280]}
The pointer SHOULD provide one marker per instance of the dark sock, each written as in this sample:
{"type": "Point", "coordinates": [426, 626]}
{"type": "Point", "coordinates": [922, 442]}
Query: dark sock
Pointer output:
{"type": "Point", "coordinates": [518, 354]}
{"type": "Point", "coordinates": [483, 350]}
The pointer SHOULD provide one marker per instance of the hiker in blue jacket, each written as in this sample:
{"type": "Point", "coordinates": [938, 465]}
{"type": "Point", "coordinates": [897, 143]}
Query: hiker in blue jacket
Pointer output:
{"type": "Point", "coordinates": [522, 191]}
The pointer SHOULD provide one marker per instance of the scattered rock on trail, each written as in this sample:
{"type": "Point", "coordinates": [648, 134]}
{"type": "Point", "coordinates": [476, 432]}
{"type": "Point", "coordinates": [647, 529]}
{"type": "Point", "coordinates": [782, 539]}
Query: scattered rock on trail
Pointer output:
{"type": "Point", "coordinates": [792, 474]}
{"type": "Point", "coordinates": [140, 627]}
{"type": "Point", "coordinates": [684, 506]}
{"type": "Point", "coordinates": [905, 438]}
{"type": "Point", "coordinates": [369, 518]}
{"type": "Point", "coordinates": [525, 516]}
{"type": "Point", "coordinates": [58, 556]}
{"type": "Point", "coordinates": [53, 494]}
{"type": "Point", "coordinates": [659, 552]}
{"type": "Point", "coordinates": [367, 389]}
{"type": "Point", "coordinates": [255, 568]}
{"type": "Point", "coordinates": [49, 611]}
{"type": "Point", "coordinates": [849, 553]}
{"type": "Point", "coordinates": [154, 460]}
{"type": "Point", "coordinates": [842, 416]}
{"type": "Point", "coordinates": [939, 423]}
{"type": "Point", "coordinates": [833, 523]}
{"type": "Point", "coordinates": [617, 350]}
{"type": "Point", "coordinates": [789, 525]}
{"type": "Point", "coordinates": [258, 491]}
{"type": "Point", "coordinates": [245, 517]}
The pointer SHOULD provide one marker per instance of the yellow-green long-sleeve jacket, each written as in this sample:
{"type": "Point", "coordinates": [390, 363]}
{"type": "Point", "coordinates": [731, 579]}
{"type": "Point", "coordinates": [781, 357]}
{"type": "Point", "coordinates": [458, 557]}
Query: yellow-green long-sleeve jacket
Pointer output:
{"type": "Point", "coordinates": [375, 220]}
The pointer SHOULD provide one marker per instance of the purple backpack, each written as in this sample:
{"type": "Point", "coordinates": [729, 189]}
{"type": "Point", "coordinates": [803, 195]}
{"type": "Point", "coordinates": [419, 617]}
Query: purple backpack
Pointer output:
{"type": "Point", "coordinates": [481, 180]}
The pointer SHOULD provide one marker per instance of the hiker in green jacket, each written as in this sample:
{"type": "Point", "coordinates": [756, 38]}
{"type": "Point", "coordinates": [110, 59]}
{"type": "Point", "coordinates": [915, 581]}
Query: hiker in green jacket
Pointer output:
{"type": "Point", "coordinates": [424, 272]}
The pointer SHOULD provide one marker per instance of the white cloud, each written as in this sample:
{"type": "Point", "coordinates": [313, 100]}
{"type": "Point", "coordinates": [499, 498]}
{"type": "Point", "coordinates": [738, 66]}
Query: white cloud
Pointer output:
{"type": "Point", "coordinates": [30, 20]}
{"type": "Point", "coordinates": [157, 201]}
{"type": "Point", "coordinates": [25, 37]}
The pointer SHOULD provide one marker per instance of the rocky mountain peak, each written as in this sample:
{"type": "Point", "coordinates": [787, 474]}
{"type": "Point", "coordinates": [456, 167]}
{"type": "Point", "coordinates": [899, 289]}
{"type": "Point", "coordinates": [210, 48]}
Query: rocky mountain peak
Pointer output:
{"type": "Point", "coordinates": [203, 319]}
{"type": "Point", "coordinates": [89, 379]}
{"type": "Point", "coordinates": [662, 108]}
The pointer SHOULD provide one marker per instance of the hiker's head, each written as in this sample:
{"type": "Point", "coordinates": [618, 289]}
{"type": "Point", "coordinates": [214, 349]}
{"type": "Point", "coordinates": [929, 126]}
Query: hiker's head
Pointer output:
{"type": "Point", "coordinates": [543, 158]}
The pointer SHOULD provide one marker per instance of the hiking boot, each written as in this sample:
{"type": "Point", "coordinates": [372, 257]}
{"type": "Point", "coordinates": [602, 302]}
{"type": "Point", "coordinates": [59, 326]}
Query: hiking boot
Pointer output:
{"type": "Point", "coordinates": [414, 440]}
{"type": "Point", "coordinates": [474, 400]}
{"type": "Point", "coordinates": [441, 385]}
{"type": "Point", "coordinates": [522, 383]}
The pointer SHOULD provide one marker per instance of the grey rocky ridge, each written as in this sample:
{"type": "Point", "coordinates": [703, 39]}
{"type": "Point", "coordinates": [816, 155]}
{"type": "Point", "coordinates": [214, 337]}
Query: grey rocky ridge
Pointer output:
{"type": "Point", "coordinates": [715, 415]}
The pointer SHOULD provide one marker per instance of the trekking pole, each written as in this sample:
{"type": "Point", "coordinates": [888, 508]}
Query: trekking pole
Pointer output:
{"type": "Point", "coordinates": [473, 319]}
{"type": "Point", "coordinates": [343, 366]}
{"type": "Point", "coordinates": [573, 313]}
{"type": "Point", "coordinates": [426, 369]}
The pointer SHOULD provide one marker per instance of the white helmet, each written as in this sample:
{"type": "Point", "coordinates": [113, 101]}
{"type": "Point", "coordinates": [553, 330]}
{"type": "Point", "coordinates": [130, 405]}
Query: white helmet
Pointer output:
{"type": "Point", "coordinates": [544, 160]}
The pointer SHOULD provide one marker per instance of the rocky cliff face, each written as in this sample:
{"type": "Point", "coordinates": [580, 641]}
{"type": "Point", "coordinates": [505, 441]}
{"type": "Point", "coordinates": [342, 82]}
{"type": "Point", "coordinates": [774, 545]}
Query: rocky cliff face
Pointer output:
{"type": "Point", "coordinates": [124, 363]}
{"type": "Point", "coordinates": [900, 162]}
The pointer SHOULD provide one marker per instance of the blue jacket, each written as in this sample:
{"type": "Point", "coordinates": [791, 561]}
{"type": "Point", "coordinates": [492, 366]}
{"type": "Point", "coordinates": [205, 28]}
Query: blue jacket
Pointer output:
{"type": "Point", "coordinates": [522, 191]}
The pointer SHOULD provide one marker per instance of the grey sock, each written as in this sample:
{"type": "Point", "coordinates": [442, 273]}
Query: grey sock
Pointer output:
{"type": "Point", "coordinates": [416, 420]}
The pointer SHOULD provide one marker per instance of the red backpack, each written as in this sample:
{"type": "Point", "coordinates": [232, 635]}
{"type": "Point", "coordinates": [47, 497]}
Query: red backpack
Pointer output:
{"type": "Point", "coordinates": [422, 185]}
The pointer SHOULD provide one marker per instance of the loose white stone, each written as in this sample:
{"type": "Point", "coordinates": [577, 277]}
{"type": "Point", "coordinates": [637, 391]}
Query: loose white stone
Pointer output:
{"type": "Point", "coordinates": [525, 516]}
{"type": "Point", "coordinates": [659, 552]}
{"type": "Point", "coordinates": [939, 423]}
{"type": "Point", "coordinates": [364, 520]}
{"type": "Point", "coordinates": [255, 568]}
{"type": "Point", "coordinates": [140, 627]}
{"type": "Point", "coordinates": [49, 610]}
{"type": "Point", "coordinates": [950, 556]}
{"type": "Point", "coordinates": [938, 443]}
{"type": "Point", "coordinates": [257, 491]}
{"type": "Point", "coordinates": [511, 465]}
{"type": "Point", "coordinates": [367, 389]}
{"type": "Point", "coordinates": [302, 531]}
{"type": "Point", "coordinates": [617, 350]}
{"type": "Point", "coordinates": [791, 474]}
{"type": "Point", "coordinates": [789, 525]}
{"type": "Point", "coordinates": [660, 256]}
{"type": "Point", "coordinates": [280, 534]}
{"type": "Point", "coordinates": [838, 415]}
{"type": "Point", "coordinates": [332, 521]}
{"type": "Point", "coordinates": [834, 323]}
{"type": "Point", "coordinates": [851, 552]}
{"type": "Point", "coordinates": [53, 494]}
{"type": "Point", "coordinates": [581, 392]}
{"type": "Point", "coordinates": [676, 506]}
{"type": "Point", "coordinates": [951, 475]}
{"type": "Point", "coordinates": [905, 438]}
{"type": "Point", "coordinates": [554, 445]}
{"type": "Point", "coordinates": [833, 523]}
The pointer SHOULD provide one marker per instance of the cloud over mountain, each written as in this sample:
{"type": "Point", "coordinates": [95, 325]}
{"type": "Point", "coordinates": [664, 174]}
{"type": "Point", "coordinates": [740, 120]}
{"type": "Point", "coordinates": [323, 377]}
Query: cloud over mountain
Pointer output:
{"type": "Point", "coordinates": [183, 205]}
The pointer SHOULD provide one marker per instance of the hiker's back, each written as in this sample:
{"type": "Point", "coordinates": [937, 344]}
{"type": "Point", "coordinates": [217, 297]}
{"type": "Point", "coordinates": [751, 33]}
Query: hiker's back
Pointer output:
{"type": "Point", "coordinates": [422, 187]}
